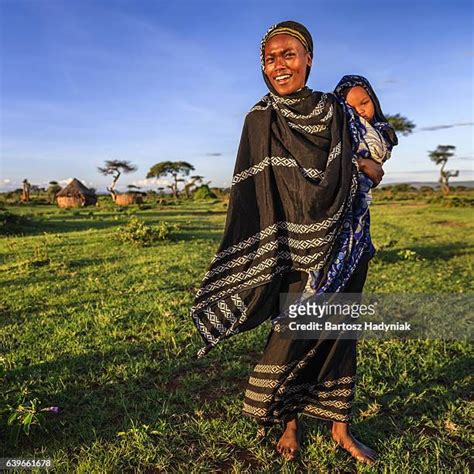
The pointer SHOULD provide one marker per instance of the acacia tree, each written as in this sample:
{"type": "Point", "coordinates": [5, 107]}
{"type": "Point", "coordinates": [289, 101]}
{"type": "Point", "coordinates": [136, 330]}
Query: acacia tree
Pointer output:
{"type": "Point", "coordinates": [400, 124]}
{"type": "Point", "coordinates": [173, 168]}
{"type": "Point", "coordinates": [193, 182]}
{"type": "Point", "coordinates": [440, 156]}
{"type": "Point", "coordinates": [53, 189]}
{"type": "Point", "coordinates": [133, 189]}
{"type": "Point", "coordinates": [116, 168]}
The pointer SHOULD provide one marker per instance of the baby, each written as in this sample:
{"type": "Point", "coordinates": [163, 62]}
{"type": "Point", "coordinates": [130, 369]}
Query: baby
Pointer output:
{"type": "Point", "coordinates": [372, 135]}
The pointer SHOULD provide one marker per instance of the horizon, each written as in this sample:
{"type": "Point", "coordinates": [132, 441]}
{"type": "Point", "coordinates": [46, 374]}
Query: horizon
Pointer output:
{"type": "Point", "coordinates": [84, 82]}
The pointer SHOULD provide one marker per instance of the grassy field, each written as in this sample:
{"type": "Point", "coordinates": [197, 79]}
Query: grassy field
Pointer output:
{"type": "Point", "coordinates": [101, 329]}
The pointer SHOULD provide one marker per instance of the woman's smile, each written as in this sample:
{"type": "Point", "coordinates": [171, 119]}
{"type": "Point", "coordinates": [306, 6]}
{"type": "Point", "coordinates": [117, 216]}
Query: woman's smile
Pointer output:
{"type": "Point", "coordinates": [283, 78]}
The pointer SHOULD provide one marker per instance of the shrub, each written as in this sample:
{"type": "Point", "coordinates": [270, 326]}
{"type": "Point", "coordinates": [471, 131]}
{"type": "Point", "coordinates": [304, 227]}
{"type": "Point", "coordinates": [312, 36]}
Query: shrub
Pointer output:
{"type": "Point", "coordinates": [204, 192]}
{"type": "Point", "coordinates": [455, 201]}
{"type": "Point", "coordinates": [11, 223]}
{"type": "Point", "coordinates": [139, 233]}
{"type": "Point", "coordinates": [407, 254]}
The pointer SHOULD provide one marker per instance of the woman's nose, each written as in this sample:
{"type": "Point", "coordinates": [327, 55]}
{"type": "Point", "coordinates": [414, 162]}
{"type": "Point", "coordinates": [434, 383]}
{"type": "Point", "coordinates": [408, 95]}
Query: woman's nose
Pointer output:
{"type": "Point", "coordinates": [279, 62]}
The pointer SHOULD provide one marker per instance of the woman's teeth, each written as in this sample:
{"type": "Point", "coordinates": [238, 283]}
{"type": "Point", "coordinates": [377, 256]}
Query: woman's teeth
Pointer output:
{"type": "Point", "coordinates": [282, 77]}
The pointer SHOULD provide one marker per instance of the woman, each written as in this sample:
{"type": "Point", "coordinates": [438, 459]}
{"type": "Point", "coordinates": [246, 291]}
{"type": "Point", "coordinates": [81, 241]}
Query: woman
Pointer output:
{"type": "Point", "coordinates": [294, 188]}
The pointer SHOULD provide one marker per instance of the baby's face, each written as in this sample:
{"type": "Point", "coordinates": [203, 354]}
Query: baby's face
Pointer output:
{"type": "Point", "coordinates": [361, 102]}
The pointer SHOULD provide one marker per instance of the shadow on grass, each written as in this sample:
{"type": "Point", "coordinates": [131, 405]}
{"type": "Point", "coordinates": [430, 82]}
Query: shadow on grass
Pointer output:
{"type": "Point", "coordinates": [97, 401]}
{"type": "Point", "coordinates": [426, 252]}
{"type": "Point", "coordinates": [65, 224]}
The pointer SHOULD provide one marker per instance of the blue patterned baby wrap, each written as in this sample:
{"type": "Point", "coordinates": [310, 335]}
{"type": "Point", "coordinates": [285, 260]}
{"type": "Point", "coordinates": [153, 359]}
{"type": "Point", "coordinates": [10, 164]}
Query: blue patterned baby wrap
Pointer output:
{"type": "Point", "coordinates": [354, 239]}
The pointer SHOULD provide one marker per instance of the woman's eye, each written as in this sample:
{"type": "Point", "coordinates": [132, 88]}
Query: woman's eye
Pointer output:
{"type": "Point", "coordinates": [269, 60]}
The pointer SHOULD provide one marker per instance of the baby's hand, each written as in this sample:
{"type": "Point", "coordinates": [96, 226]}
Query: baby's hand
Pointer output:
{"type": "Point", "coordinates": [372, 169]}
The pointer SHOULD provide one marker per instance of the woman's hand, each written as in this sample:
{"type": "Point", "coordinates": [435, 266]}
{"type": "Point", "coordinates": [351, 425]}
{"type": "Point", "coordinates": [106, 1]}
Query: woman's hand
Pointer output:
{"type": "Point", "coordinates": [372, 169]}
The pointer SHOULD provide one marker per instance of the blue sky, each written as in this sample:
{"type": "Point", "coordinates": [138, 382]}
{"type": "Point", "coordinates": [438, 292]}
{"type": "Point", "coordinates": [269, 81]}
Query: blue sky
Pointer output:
{"type": "Point", "coordinates": [147, 81]}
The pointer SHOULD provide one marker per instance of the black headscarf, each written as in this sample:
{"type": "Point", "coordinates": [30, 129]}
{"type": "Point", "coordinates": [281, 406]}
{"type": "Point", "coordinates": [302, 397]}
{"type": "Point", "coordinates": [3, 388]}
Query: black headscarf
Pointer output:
{"type": "Point", "coordinates": [292, 28]}
{"type": "Point", "coordinates": [294, 180]}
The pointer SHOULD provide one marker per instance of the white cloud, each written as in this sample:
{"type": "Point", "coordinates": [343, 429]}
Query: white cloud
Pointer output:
{"type": "Point", "coordinates": [152, 183]}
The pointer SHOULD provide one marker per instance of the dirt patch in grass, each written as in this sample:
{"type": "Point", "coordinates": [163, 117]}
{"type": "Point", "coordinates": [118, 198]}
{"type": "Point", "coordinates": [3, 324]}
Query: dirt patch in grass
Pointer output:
{"type": "Point", "coordinates": [450, 223]}
{"type": "Point", "coordinates": [245, 458]}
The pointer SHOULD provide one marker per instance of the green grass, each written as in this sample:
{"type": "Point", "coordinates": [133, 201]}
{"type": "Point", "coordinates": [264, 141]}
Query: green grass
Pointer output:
{"type": "Point", "coordinates": [101, 329]}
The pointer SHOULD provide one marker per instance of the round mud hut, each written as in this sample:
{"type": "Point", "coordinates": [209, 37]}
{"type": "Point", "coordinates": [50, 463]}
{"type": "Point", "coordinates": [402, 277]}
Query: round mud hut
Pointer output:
{"type": "Point", "coordinates": [75, 194]}
{"type": "Point", "coordinates": [128, 199]}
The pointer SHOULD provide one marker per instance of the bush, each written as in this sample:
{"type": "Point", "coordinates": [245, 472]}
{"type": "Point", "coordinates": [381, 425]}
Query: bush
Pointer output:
{"type": "Point", "coordinates": [139, 233]}
{"type": "Point", "coordinates": [455, 201]}
{"type": "Point", "coordinates": [11, 223]}
{"type": "Point", "coordinates": [204, 192]}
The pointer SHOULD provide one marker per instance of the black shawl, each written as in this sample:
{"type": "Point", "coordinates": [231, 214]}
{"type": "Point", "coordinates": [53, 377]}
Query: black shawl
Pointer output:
{"type": "Point", "coordinates": [294, 180]}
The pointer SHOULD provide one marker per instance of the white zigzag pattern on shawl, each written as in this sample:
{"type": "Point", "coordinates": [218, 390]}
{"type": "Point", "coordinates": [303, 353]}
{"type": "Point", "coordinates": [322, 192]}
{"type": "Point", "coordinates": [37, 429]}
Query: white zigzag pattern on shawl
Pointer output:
{"type": "Point", "coordinates": [297, 228]}
{"type": "Point", "coordinates": [239, 303]}
{"type": "Point", "coordinates": [312, 173]}
{"type": "Point", "coordinates": [252, 170]}
{"type": "Point", "coordinates": [269, 262]}
{"type": "Point", "coordinates": [238, 276]}
{"type": "Point", "coordinates": [268, 247]}
{"type": "Point", "coordinates": [203, 329]}
{"type": "Point", "coordinates": [261, 107]}
{"type": "Point", "coordinates": [227, 312]}
{"type": "Point", "coordinates": [274, 161]}
{"type": "Point", "coordinates": [258, 107]}
{"type": "Point", "coordinates": [212, 317]}
{"type": "Point", "coordinates": [335, 152]}
{"type": "Point", "coordinates": [312, 129]}
{"type": "Point", "coordinates": [253, 255]}
{"type": "Point", "coordinates": [328, 115]}
{"type": "Point", "coordinates": [285, 101]}
{"type": "Point", "coordinates": [318, 109]}
{"type": "Point", "coordinates": [222, 294]}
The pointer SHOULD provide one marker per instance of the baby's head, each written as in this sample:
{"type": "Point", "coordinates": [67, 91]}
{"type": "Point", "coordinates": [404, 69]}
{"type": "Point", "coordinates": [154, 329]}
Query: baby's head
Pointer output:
{"type": "Point", "coordinates": [358, 98]}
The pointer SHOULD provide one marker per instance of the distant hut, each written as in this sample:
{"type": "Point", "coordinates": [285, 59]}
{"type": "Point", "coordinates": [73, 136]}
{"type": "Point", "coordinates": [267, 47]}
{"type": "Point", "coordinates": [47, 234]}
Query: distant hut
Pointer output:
{"type": "Point", "coordinates": [75, 194]}
{"type": "Point", "coordinates": [128, 199]}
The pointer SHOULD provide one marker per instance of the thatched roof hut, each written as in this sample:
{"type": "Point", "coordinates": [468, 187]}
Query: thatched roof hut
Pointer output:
{"type": "Point", "coordinates": [128, 199]}
{"type": "Point", "coordinates": [75, 194]}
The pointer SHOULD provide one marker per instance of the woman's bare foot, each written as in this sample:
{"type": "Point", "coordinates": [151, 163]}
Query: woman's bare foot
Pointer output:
{"type": "Point", "coordinates": [344, 438]}
{"type": "Point", "coordinates": [289, 442]}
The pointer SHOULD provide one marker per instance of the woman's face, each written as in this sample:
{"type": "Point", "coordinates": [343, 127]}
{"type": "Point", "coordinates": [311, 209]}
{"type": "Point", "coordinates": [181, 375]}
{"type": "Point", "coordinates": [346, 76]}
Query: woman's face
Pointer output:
{"type": "Point", "coordinates": [286, 61]}
{"type": "Point", "coordinates": [359, 100]}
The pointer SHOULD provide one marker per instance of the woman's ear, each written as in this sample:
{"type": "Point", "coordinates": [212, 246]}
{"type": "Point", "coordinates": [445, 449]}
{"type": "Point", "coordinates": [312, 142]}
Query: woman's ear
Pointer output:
{"type": "Point", "coordinates": [309, 59]}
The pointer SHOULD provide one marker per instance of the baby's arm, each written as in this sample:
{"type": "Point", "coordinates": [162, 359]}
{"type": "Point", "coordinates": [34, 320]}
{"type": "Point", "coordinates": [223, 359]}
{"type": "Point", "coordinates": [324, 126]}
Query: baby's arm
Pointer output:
{"type": "Point", "coordinates": [371, 168]}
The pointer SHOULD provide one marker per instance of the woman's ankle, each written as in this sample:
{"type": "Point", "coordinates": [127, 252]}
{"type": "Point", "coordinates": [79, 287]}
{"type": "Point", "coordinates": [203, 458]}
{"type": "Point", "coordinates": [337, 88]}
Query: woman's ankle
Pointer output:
{"type": "Point", "coordinates": [340, 428]}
